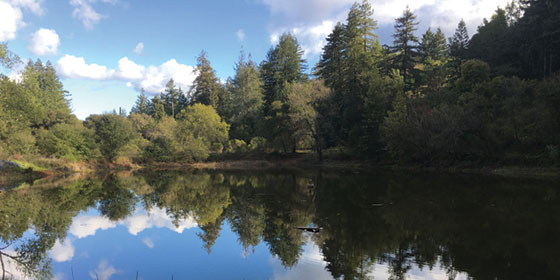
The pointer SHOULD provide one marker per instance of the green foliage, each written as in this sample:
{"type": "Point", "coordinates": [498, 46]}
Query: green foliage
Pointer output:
{"type": "Point", "coordinates": [206, 87]}
{"type": "Point", "coordinates": [246, 111]}
{"type": "Point", "coordinates": [405, 46]}
{"type": "Point", "coordinates": [258, 144]}
{"type": "Point", "coordinates": [204, 123]}
{"type": "Point", "coordinates": [283, 65]}
{"type": "Point", "coordinates": [112, 133]}
{"type": "Point", "coordinates": [142, 104]}
{"type": "Point", "coordinates": [71, 141]}
{"type": "Point", "coordinates": [7, 58]}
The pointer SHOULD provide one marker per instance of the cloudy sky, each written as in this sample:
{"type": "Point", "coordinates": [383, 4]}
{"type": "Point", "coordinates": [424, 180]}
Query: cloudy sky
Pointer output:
{"type": "Point", "coordinates": [105, 51]}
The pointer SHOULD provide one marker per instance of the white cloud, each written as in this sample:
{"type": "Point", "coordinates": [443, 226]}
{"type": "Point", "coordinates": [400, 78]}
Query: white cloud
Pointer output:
{"type": "Point", "coordinates": [148, 242]}
{"type": "Point", "coordinates": [11, 16]}
{"type": "Point", "coordinates": [128, 70]}
{"type": "Point", "coordinates": [152, 78]}
{"type": "Point", "coordinates": [44, 41]}
{"type": "Point", "coordinates": [139, 48]}
{"type": "Point", "coordinates": [10, 21]}
{"type": "Point", "coordinates": [155, 77]}
{"type": "Point", "coordinates": [85, 12]}
{"type": "Point", "coordinates": [439, 13]}
{"type": "Point", "coordinates": [311, 38]}
{"type": "Point", "coordinates": [240, 35]}
{"type": "Point", "coordinates": [311, 21]}
{"type": "Point", "coordinates": [62, 252]}
{"type": "Point", "coordinates": [104, 271]}
{"type": "Point", "coordinates": [76, 68]}
{"type": "Point", "coordinates": [33, 5]}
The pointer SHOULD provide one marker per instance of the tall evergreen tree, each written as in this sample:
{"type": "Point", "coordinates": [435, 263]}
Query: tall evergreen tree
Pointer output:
{"type": "Point", "coordinates": [172, 99]}
{"type": "Point", "coordinates": [330, 67]}
{"type": "Point", "coordinates": [142, 104]}
{"type": "Point", "coordinates": [491, 44]}
{"type": "Point", "coordinates": [206, 86]}
{"type": "Point", "coordinates": [433, 54]}
{"type": "Point", "coordinates": [459, 43]}
{"type": "Point", "coordinates": [157, 108]}
{"type": "Point", "coordinates": [405, 46]}
{"type": "Point", "coordinates": [246, 100]}
{"type": "Point", "coordinates": [283, 65]}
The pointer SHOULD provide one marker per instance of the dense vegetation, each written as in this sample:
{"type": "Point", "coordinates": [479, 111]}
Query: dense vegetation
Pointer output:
{"type": "Point", "coordinates": [492, 98]}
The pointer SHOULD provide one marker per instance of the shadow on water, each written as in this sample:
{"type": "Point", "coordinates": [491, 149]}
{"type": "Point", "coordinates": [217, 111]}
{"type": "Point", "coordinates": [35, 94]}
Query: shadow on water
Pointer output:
{"type": "Point", "coordinates": [485, 227]}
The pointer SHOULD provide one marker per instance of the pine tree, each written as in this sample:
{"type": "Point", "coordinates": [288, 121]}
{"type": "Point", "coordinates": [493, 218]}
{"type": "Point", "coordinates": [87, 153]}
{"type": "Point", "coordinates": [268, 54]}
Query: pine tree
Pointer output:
{"type": "Point", "coordinates": [246, 100]}
{"type": "Point", "coordinates": [206, 86]}
{"type": "Point", "coordinates": [283, 65]}
{"type": "Point", "coordinates": [330, 67]}
{"type": "Point", "coordinates": [172, 99]}
{"type": "Point", "coordinates": [433, 45]}
{"type": "Point", "coordinates": [459, 43]}
{"type": "Point", "coordinates": [405, 46]}
{"type": "Point", "coordinates": [142, 104]}
{"type": "Point", "coordinates": [157, 109]}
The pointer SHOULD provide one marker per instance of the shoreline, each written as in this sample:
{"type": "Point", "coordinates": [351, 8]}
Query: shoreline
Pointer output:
{"type": "Point", "coordinates": [32, 172]}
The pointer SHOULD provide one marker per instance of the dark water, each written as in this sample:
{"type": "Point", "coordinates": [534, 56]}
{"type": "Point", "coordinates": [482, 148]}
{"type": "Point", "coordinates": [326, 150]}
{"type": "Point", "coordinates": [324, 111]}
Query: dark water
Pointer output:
{"type": "Point", "coordinates": [243, 225]}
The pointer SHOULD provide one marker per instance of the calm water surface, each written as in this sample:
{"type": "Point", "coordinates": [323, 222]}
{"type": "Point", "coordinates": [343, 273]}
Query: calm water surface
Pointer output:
{"type": "Point", "coordinates": [244, 225]}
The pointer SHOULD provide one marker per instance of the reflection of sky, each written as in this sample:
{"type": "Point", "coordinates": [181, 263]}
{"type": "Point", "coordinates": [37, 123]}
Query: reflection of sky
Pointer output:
{"type": "Point", "coordinates": [311, 266]}
{"type": "Point", "coordinates": [148, 243]}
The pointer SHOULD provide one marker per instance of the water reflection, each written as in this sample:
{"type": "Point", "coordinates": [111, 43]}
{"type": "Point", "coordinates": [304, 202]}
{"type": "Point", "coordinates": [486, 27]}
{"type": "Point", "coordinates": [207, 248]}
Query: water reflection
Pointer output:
{"type": "Point", "coordinates": [381, 225]}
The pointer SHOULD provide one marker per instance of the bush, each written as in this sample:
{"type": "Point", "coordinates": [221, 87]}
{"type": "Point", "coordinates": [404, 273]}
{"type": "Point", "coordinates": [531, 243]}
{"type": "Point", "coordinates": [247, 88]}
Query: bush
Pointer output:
{"type": "Point", "coordinates": [258, 144]}
{"type": "Point", "coordinates": [161, 149]}
{"type": "Point", "coordinates": [21, 142]}
{"type": "Point", "coordinates": [71, 141]}
{"type": "Point", "coordinates": [112, 133]}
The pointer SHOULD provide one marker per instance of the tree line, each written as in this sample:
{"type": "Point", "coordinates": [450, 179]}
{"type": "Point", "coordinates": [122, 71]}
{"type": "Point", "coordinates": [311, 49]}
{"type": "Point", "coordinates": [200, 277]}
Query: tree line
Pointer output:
{"type": "Point", "coordinates": [492, 98]}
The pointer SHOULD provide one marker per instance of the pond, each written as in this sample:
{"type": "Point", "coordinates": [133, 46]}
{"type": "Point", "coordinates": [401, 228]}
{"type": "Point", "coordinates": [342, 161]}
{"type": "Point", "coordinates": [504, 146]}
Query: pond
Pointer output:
{"type": "Point", "coordinates": [308, 224]}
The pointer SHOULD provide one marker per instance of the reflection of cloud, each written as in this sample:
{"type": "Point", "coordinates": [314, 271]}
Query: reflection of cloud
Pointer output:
{"type": "Point", "coordinates": [156, 218]}
{"type": "Point", "coordinates": [104, 271]}
{"type": "Point", "coordinates": [11, 267]}
{"type": "Point", "coordinates": [62, 252]}
{"type": "Point", "coordinates": [84, 226]}
{"type": "Point", "coordinates": [148, 242]}
{"type": "Point", "coordinates": [311, 266]}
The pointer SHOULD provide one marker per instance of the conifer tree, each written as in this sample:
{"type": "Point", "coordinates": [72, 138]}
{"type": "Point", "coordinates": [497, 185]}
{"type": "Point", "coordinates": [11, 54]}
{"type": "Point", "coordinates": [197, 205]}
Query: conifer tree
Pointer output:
{"type": "Point", "coordinates": [405, 46]}
{"type": "Point", "coordinates": [206, 86]}
{"type": "Point", "coordinates": [283, 65]}
{"type": "Point", "coordinates": [246, 100]}
{"type": "Point", "coordinates": [459, 43]}
{"type": "Point", "coordinates": [172, 99]}
{"type": "Point", "coordinates": [142, 104]}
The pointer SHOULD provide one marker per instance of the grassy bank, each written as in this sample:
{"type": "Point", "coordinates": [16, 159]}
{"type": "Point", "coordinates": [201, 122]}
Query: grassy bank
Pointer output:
{"type": "Point", "coordinates": [30, 169]}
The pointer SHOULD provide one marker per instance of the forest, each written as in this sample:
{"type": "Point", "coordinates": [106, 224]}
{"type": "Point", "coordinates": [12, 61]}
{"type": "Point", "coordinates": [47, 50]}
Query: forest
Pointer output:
{"type": "Point", "coordinates": [490, 98]}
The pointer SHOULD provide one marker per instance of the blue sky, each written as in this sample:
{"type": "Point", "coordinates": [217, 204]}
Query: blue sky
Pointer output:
{"type": "Point", "coordinates": [106, 50]}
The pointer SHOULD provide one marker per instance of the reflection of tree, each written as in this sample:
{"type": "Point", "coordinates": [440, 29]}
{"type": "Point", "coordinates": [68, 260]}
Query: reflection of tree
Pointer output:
{"type": "Point", "coordinates": [117, 200]}
{"type": "Point", "coordinates": [210, 233]}
{"type": "Point", "coordinates": [49, 212]}
{"type": "Point", "coordinates": [488, 228]}
{"type": "Point", "coordinates": [288, 206]}
{"type": "Point", "coordinates": [247, 211]}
